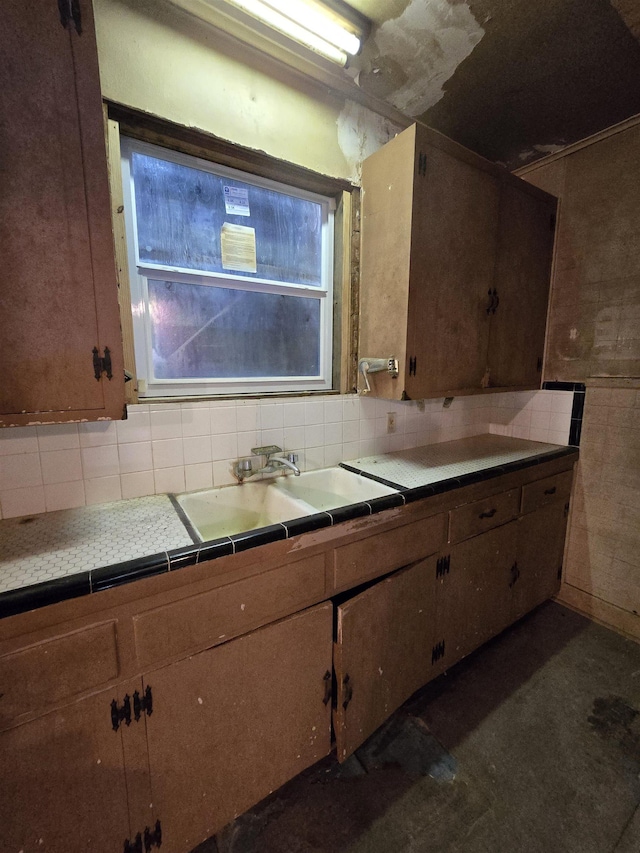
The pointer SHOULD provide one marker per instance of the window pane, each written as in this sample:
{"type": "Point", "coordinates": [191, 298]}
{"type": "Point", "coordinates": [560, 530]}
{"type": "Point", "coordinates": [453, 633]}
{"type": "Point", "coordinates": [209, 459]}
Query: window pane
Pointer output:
{"type": "Point", "coordinates": [201, 332]}
{"type": "Point", "coordinates": [181, 211]}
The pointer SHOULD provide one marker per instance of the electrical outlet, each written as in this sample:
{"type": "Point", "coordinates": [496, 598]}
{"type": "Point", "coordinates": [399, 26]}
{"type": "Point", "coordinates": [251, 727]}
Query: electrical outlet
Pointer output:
{"type": "Point", "coordinates": [391, 422]}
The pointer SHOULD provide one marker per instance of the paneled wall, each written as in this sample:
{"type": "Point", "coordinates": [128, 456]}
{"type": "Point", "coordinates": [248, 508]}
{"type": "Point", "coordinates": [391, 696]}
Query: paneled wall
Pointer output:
{"type": "Point", "coordinates": [594, 337]}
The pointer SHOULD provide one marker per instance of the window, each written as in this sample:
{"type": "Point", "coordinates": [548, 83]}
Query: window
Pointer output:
{"type": "Point", "coordinates": [231, 278]}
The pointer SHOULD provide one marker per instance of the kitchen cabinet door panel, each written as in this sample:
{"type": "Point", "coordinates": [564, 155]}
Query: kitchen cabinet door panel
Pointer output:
{"type": "Point", "coordinates": [454, 234]}
{"type": "Point", "coordinates": [541, 536]}
{"type": "Point", "coordinates": [232, 724]}
{"type": "Point", "coordinates": [473, 593]}
{"type": "Point", "coordinates": [58, 298]}
{"type": "Point", "coordinates": [523, 270]}
{"type": "Point", "coordinates": [383, 652]}
{"type": "Point", "coordinates": [63, 782]}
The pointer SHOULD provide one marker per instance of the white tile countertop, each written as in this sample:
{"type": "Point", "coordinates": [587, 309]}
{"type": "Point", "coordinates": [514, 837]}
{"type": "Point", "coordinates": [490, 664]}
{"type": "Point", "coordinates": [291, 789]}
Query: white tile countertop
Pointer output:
{"type": "Point", "coordinates": [52, 545]}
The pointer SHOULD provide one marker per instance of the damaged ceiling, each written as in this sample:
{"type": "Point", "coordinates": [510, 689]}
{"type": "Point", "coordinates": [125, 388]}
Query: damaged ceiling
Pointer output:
{"type": "Point", "coordinates": [511, 79]}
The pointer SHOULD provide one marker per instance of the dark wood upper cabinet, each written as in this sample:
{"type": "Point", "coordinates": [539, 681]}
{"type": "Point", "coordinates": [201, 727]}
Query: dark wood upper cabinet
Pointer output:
{"type": "Point", "coordinates": [58, 291]}
{"type": "Point", "coordinates": [455, 269]}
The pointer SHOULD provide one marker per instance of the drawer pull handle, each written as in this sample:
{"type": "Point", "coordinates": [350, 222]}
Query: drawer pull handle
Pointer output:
{"type": "Point", "coordinates": [348, 691]}
{"type": "Point", "coordinates": [488, 514]}
{"type": "Point", "coordinates": [550, 491]}
{"type": "Point", "coordinates": [327, 687]}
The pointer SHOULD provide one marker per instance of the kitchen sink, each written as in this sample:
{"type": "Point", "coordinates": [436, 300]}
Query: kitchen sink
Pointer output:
{"type": "Point", "coordinates": [330, 488]}
{"type": "Point", "coordinates": [235, 509]}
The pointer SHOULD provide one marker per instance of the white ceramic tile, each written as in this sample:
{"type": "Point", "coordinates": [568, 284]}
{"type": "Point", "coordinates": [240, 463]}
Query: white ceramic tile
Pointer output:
{"type": "Point", "coordinates": [248, 418]}
{"type": "Point", "coordinates": [247, 441]}
{"type": "Point", "coordinates": [196, 422]}
{"type": "Point", "coordinates": [367, 429]}
{"type": "Point", "coordinates": [520, 431]}
{"type": "Point", "coordinates": [294, 437]}
{"type": "Point", "coordinates": [137, 427]}
{"type": "Point", "coordinates": [314, 412]}
{"type": "Point", "coordinates": [410, 439]}
{"type": "Point", "coordinates": [272, 436]}
{"type": "Point", "coordinates": [167, 453]}
{"type": "Point", "coordinates": [135, 457]}
{"type": "Point", "coordinates": [223, 420]}
{"type": "Point", "coordinates": [64, 495]}
{"type": "Point", "coordinates": [536, 434]}
{"type": "Point", "coordinates": [313, 458]}
{"type": "Point", "coordinates": [314, 435]}
{"type": "Point", "coordinates": [16, 502]}
{"type": "Point", "coordinates": [332, 454]}
{"type": "Point", "coordinates": [224, 447]}
{"type": "Point", "coordinates": [333, 410]}
{"type": "Point", "coordinates": [350, 431]}
{"type": "Point", "coordinates": [522, 418]}
{"type": "Point", "coordinates": [18, 440]}
{"type": "Point", "coordinates": [100, 461]}
{"type": "Point", "coordinates": [169, 480]}
{"type": "Point", "coordinates": [333, 433]}
{"type": "Point", "coordinates": [198, 476]}
{"type": "Point", "coordinates": [367, 407]}
{"type": "Point", "coordinates": [223, 473]}
{"type": "Point", "coordinates": [97, 433]}
{"type": "Point", "coordinates": [197, 449]}
{"type": "Point", "coordinates": [271, 416]}
{"type": "Point", "coordinates": [542, 401]}
{"type": "Point", "coordinates": [57, 436]}
{"type": "Point", "coordinates": [102, 491]}
{"type": "Point", "coordinates": [20, 471]}
{"type": "Point", "coordinates": [351, 407]}
{"type": "Point", "coordinates": [61, 466]}
{"type": "Point", "coordinates": [293, 414]}
{"type": "Point", "coordinates": [166, 423]}
{"type": "Point", "coordinates": [559, 437]}
{"type": "Point", "coordinates": [540, 419]}
{"type": "Point", "coordinates": [137, 485]}
{"type": "Point", "coordinates": [560, 421]}
{"type": "Point", "coordinates": [367, 446]}
{"type": "Point", "coordinates": [562, 401]}
{"type": "Point", "coordinates": [382, 443]}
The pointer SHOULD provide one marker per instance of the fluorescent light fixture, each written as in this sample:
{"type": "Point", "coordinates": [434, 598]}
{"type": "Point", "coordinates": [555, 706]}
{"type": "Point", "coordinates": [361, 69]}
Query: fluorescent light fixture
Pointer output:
{"type": "Point", "coordinates": [333, 30]}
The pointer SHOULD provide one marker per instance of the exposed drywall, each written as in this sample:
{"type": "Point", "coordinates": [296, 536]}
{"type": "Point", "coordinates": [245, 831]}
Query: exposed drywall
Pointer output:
{"type": "Point", "coordinates": [594, 331]}
{"type": "Point", "coordinates": [157, 58]}
{"type": "Point", "coordinates": [418, 51]}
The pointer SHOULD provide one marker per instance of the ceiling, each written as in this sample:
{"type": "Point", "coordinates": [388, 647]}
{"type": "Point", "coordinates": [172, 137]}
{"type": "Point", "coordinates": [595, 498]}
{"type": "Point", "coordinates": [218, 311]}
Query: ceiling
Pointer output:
{"type": "Point", "coordinates": [511, 79]}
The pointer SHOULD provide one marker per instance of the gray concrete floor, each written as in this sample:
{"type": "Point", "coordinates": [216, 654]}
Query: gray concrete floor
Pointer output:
{"type": "Point", "coordinates": [531, 745]}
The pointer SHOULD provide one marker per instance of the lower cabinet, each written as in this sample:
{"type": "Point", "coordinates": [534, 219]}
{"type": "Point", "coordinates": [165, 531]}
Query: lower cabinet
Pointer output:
{"type": "Point", "coordinates": [382, 651]}
{"type": "Point", "coordinates": [64, 780]}
{"type": "Point", "coordinates": [232, 724]}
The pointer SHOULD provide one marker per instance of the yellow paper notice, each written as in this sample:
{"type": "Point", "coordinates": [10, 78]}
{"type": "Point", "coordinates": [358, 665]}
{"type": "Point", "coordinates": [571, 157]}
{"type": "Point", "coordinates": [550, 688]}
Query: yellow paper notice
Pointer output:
{"type": "Point", "coordinates": [238, 244]}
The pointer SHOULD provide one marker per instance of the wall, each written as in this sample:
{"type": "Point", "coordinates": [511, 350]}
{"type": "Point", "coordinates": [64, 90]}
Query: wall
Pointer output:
{"type": "Point", "coordinates": [594, 337]}
{"type": "Point", "coordinates": [183, 446]}
{"type": "Point", "coordinates": [157, 58]}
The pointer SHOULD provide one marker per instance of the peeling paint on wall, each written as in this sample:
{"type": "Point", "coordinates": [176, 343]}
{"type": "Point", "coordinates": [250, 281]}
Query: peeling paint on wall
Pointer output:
{"type": "Point", "coordinates": [428, 41]}
{"type": "Point", "coordinates": [360, 133]}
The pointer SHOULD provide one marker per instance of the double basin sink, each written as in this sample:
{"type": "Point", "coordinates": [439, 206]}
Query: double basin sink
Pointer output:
{"type": "Point", "coordinates": [235, 509]}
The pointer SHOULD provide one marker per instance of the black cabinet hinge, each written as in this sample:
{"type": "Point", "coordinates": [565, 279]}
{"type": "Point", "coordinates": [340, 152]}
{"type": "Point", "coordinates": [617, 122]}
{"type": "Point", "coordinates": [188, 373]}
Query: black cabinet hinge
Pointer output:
{"type": "Point", "coordinates": [515, 574]}
{"type": "Point", "coordinates": [443, 565]}
{"type": "Point", "coordinates": [566, 509]}
{"type": "Point", "coordinates": [142, 704]}
{"type": "Point", "coordinates": [437, 651]}
{"type": "Point", "coordinates": [422, 164]}
{"type": "Point", "coordinates": [412, 365]}
{"type": "Point", "coordinates": [144, 842]}
{"type": "Point", "coordinates": [70, 12]}
{"type": "Point", "coordinates": [348, 691]}
{"type": "Point", "coordinates": [120, 714]}
{"type": "Point", "coordinates": [327, 678]}
{"type": "Point", "coordinates": [102, 365]}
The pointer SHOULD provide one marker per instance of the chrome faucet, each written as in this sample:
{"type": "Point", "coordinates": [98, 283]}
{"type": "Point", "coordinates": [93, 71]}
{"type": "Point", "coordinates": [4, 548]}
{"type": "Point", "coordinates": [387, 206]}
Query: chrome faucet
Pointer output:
{"type": "Point", "coordinates": [274, 462]}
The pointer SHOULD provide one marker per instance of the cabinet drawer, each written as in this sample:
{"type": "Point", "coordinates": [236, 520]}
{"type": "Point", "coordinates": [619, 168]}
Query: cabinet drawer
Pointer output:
{"type": "Point", "coordinates": [542, 492]}
{"type": "Point", "coordinates": [384, 552]}
{"type": "Point", "coordinates": [37, 676]}
{"type": "Point", "coordinates": [474, 518]}
{"type": "Point", "coordinates": [217, 615]}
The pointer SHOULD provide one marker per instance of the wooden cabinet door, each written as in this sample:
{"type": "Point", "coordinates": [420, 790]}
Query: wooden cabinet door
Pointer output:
{"type": "Point", "coordinates": [473, 593]}
{"type": "Point", "coordinates": [453, 251]}
{"type": "Point", "coordinates": [522, 278]}
{"type": "Point", "coordinates": [232, 724]}
{"type": "Point", "coordinates": [63, 779]}
{"type": "Point", "coordinates": [58, 293]}
{"type": "Point", "coordinates": [541, 536]}
{"type": "Point", "coordinates": [383, 651]}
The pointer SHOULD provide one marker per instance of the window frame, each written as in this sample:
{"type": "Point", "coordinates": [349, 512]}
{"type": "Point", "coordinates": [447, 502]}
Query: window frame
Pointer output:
{"type": "Point", "coordinates": [141, 273]}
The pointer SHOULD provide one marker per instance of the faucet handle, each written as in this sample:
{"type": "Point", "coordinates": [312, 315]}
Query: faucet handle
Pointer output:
{"type": "Point", "coordinates": [267, 450]}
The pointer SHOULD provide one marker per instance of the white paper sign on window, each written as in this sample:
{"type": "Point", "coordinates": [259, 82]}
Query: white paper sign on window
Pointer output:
{"type": "Point", "coordinates": [238, 244]}
{"type": "Point", "coordinates": [236, 201]}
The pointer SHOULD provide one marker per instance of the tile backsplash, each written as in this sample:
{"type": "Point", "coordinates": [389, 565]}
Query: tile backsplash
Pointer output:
{"type": "Point", "coordinates": [176, 447]}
